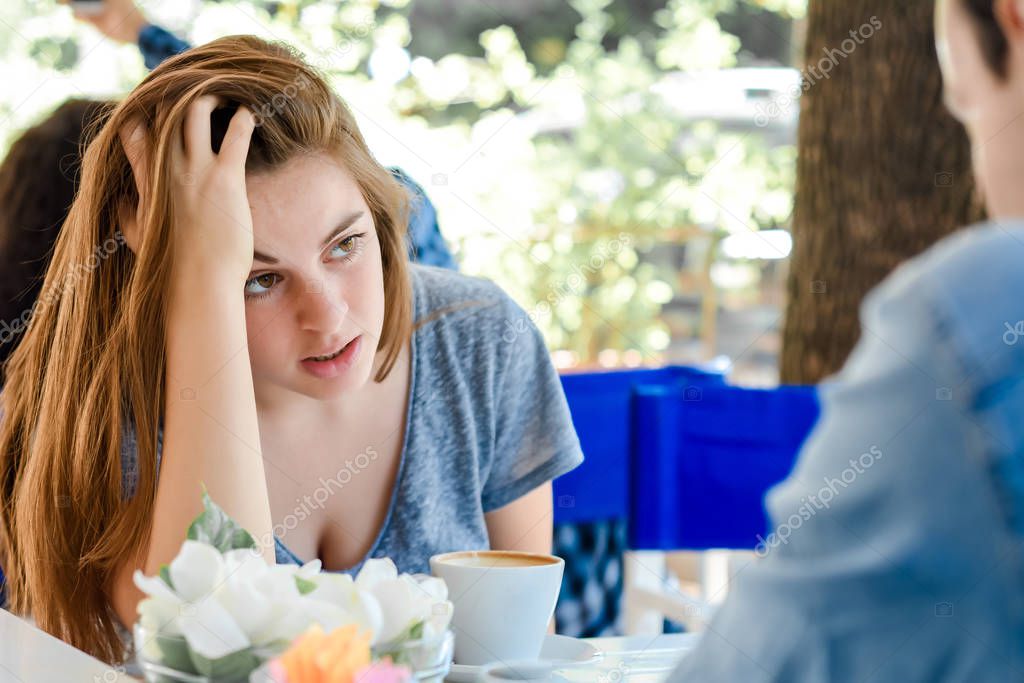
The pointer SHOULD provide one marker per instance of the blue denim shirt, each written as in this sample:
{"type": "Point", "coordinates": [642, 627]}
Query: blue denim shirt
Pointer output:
{"type": "Point", "coordinates": [426, 244]}
{"type": "Point", "coordinates": [896, 551]}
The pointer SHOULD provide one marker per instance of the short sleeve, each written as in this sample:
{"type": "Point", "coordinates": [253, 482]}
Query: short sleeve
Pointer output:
{"type": "Point", "coordinates": [535, 440]}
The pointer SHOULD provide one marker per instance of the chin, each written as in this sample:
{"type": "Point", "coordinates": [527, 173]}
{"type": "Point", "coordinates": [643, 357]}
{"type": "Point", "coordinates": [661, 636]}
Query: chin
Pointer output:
{"type": "Point", "coordinates": [335, 387]}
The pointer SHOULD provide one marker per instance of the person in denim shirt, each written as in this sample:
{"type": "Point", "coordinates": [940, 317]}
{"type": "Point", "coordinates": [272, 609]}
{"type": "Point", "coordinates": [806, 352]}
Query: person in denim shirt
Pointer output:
{"type": "Point", "coordinates": [123, 21]}
{"type": "Point", "coordinates": [910, 568]}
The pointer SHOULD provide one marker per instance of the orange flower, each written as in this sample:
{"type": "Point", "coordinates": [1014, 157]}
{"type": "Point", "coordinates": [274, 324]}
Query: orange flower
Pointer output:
{"type": "Point", "coordinates": [335, 657]}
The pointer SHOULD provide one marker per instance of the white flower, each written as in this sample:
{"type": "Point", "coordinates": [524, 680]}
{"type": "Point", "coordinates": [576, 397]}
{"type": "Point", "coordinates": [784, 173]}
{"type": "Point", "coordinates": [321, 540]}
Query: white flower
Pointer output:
{"type": "Point", "coordinates": [374, 571]}
{"type": "Point", "coordinates": [291, 618]}
{"type": "Point", "coordinates": [244, 564]}
{"type": "Point", "coordinates": [403, 605]}
{"type": "Point", "coordinates": [434, 587]}
{"type": "Point", "coordinates": [310, 569]}
{"type": "Point", "coordinates": [277, 583]}
{"type": "Point", "coordinates": [343, 591]}
{"type": "Point", "coordinates": [440, 618]}
{"type": "Point", "coordinates": [230, 601]}
{"type": "Point", "coordinates": [196, 571]}
{"type": "Point", "coordinates": [405, 600]}
{"type": "Point", "coordinates": [211, 631]}
{"type": "Point", "coordinates": [158, 615]}
{"type": "Point", "coordinates": [441, 610]}
{"type": "Point", "coordinates": [155, 587]}
{"type": "Point", "coordinates": [244, 602]}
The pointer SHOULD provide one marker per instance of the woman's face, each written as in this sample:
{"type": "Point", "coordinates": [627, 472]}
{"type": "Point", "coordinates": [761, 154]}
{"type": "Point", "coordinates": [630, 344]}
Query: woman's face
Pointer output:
{"type": "Point", "coordinates": [988, 106]}
{"type": "Point", "coordinates": [316, 283]}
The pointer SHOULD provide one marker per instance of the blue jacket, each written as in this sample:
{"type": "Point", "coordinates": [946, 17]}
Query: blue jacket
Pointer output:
{"type": "Point", "coordinates": [895, 553]}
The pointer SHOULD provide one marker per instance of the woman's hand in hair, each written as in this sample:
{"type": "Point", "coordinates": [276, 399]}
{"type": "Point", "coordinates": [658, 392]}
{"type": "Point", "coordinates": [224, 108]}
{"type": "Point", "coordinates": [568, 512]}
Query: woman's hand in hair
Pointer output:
{"type": "Point", "coordinates": [120, 20]}
{"type": "Point", "coordinates": [212, 219]}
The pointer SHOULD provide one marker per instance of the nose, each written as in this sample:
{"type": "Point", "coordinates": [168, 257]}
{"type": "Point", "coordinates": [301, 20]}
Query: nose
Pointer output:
{"type": "Point", "coordinates": [321, 309]}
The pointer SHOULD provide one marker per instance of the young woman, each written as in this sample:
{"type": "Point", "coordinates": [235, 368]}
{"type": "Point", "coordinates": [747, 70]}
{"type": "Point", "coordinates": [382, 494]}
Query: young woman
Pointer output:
{"type": "Point", "coordinates": [914, 570]}
{"type": "Point", "coordinates": [260, 333]}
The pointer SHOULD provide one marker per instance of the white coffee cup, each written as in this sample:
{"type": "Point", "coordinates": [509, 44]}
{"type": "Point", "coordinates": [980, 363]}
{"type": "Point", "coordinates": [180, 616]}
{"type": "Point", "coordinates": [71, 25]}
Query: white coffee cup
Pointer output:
{"type": "Point", "coordinates": [503, 602]}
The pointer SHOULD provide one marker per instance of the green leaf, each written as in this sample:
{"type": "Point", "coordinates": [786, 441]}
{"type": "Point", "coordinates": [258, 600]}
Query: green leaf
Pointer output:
{"type": "Point", "coordinates": [304, 585]}
{"type": "Point", "coordinates": [165, 575]}
{"type": "Point", "coordinates": [175, 654]}
{"type": "Point", "coordinates": [395, 650]}
{"type": "Point", "coordinates": [214, 527]}
{"type": "Point", "coordinates": [233, 667]}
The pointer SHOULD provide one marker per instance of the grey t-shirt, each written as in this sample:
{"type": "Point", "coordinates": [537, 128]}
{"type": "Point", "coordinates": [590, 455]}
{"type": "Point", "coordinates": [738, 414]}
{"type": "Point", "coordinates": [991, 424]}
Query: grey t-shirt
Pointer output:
{"type": "Point", "coordinates": [486, 423]}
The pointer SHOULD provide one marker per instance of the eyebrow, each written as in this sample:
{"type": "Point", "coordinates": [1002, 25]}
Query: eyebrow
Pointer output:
{"type": "Point", "coordinates": [341, 227]}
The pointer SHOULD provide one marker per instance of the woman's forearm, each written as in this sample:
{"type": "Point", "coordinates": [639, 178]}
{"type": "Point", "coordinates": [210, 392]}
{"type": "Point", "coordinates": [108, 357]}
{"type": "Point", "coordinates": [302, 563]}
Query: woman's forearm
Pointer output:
{"type": "Point", "coordinates": [211, 431]}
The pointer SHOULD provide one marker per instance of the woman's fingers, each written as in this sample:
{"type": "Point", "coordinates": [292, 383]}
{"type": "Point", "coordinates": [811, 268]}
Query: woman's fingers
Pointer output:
{"type": "Point", "coordinates": [235, 147]}
{"type": "Point", "coordinates": [198, 148]}
{"type": "Point", "coordinates": [133, 139]}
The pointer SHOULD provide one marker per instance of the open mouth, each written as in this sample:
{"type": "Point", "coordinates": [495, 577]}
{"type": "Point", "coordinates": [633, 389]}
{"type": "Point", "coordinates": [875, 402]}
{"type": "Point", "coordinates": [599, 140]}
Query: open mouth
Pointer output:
{"type": "Point", "coordinates": [336, 363]}
{"type": "Point", "coordinates": [330, 356]}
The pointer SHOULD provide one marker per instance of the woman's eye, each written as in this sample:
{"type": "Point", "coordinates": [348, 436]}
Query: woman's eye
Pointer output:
{"type": "Point", "coordinates": [260, 284]}
{"type": "Point", "coordinates": [347, 246]}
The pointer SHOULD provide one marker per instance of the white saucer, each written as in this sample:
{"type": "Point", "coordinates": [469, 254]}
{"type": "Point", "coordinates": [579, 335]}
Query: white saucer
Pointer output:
{"type": "Point", "coordinates": [561, 652]}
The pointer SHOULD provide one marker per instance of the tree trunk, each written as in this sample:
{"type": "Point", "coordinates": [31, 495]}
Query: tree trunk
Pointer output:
{"type": "Point", "coordinates": [883, 170]}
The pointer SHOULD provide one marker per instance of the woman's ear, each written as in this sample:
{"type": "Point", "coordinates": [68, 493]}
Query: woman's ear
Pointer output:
{"type": "Point", "coordinates": [133, 140]}
{"type": "Point", "coordinates": [1010, 16]}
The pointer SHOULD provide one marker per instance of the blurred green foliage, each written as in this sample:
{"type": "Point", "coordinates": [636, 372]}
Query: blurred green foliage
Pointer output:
{"type": "Point", "coordinates": [558, 171]}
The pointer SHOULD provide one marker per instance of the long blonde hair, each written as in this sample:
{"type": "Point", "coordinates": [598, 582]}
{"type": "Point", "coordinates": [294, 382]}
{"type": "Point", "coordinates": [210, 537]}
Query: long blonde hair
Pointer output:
{"type": "Point", "coordinates": [93, 358]}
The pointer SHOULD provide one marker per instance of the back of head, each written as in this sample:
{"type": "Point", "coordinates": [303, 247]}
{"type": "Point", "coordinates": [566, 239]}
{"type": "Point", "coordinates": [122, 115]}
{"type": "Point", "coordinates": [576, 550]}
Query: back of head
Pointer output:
{"type": "Point", "coordinates": [92, 358]}
{"type": "Point", "coordinates": [38, 180]}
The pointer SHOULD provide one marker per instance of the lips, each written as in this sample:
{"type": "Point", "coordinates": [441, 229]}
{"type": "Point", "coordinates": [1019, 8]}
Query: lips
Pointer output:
{"type": "Point", "coordinates": [329, 354]}
{"type": "Point", "coordinates": [334, 363]}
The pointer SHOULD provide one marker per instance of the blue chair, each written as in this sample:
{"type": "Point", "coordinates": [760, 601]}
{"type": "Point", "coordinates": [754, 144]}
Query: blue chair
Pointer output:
{"type": "Point", "coordinates": [601, 404]}
{"type": "Point", "coordinates": [704, 457]}
{"type": "Point", "coordinates": [675, 460]}
{"type": "Point", "coordinates": [592, 502]}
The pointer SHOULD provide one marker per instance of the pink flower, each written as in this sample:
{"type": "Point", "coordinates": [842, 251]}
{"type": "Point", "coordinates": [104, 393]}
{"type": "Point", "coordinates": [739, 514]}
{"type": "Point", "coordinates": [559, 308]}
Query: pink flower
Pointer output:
{"type": "Point", "coordinates": [383, 671]}
{"type": "Point", "coordinates": [276, 671]}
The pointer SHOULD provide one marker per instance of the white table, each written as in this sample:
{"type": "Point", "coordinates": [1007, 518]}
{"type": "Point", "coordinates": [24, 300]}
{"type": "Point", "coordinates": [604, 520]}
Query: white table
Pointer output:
{"type": "Point", "coordinates": [28, 655]}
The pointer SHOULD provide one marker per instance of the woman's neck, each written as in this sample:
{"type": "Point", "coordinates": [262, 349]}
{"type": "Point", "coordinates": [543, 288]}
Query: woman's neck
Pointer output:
{"type": "Point", "coordinates": [285, 411]}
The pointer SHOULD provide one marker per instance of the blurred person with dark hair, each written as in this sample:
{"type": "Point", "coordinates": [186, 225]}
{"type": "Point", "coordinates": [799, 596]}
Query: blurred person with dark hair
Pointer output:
{"type": "Point", "coordinates": [897, 553]}
{"type": "Point", "coordinates": [38, 180]}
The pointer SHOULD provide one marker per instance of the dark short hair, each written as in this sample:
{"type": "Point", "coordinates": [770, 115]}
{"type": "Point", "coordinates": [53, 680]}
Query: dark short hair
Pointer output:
{"type": "Point", "coordinates": [993, 43]}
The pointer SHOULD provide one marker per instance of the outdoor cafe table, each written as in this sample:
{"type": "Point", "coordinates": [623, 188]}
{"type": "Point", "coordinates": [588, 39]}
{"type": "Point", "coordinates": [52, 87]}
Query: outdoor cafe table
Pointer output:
{"type": "Point", "coordinates": [27, 655]}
